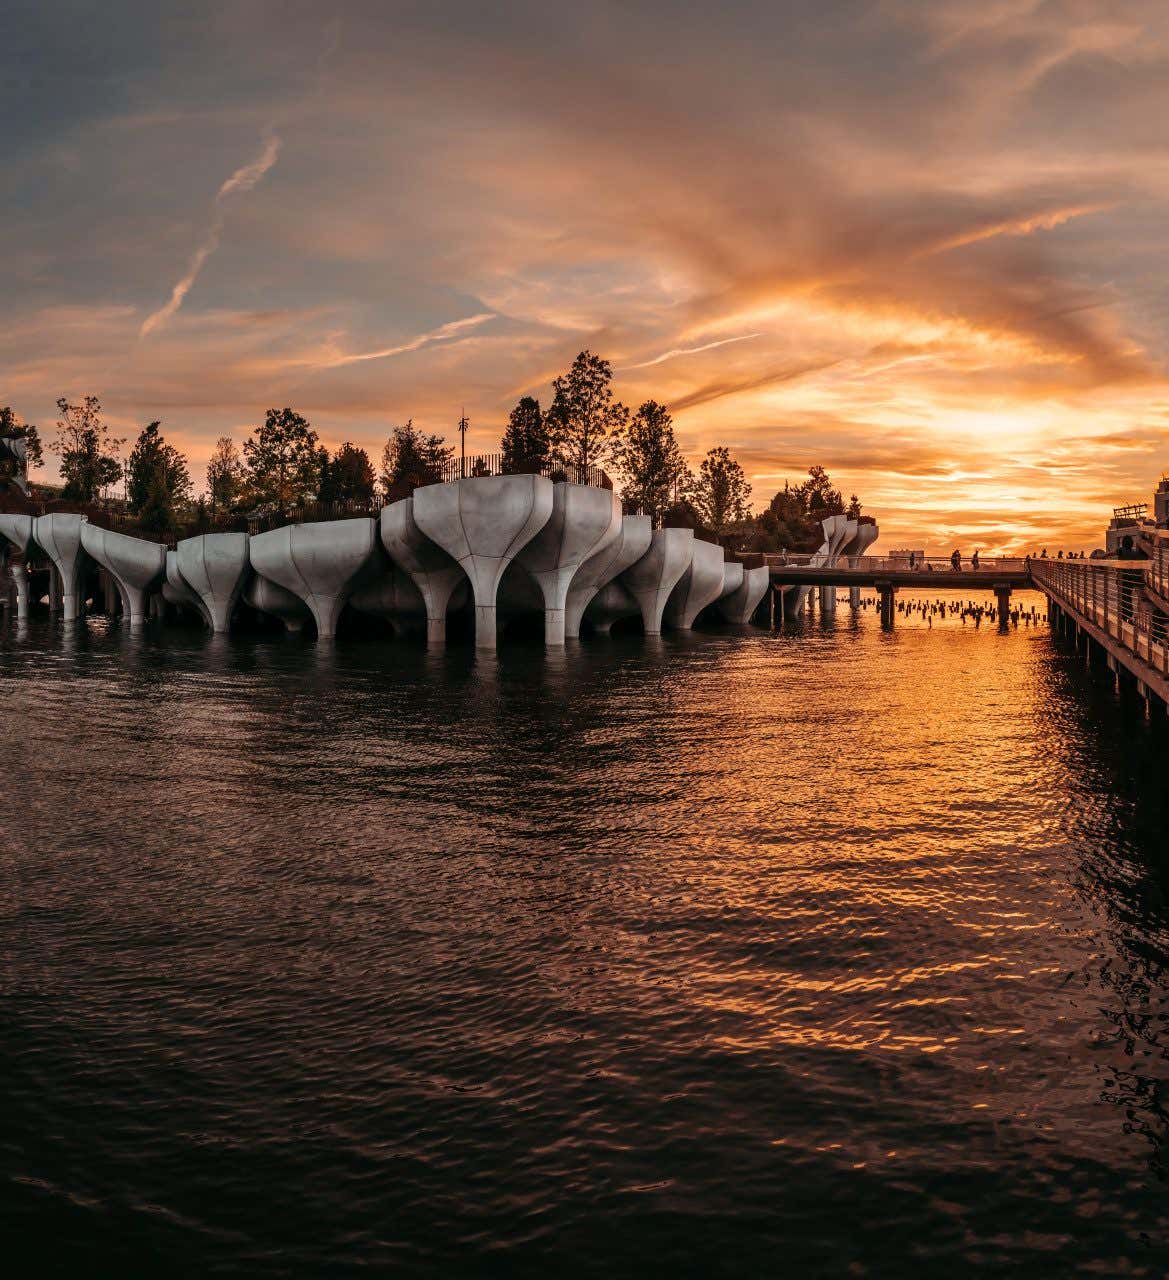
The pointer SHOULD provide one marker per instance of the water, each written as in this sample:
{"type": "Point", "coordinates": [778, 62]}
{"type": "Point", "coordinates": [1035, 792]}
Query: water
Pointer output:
{"type": "Point", "coordinates": [833, 953]}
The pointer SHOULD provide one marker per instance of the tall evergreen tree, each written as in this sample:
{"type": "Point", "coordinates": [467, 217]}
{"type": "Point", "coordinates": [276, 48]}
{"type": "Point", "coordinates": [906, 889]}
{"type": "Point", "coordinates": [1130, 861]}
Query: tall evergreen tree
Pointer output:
{"type": "Point", "coordinates": [156, 471]}
{"type": "Point", "coordinates": [411, 459]}
{"type": "Point", "coordinates": [13, 429]}
{"type": "Point", "coordinates": [647, 454]}
{"type": "Point", "coordinates": [584, 417]}
{"type": "Point", "coordinates": [526, 445]}
{"type": "Point", "coordinates": [351, 474]}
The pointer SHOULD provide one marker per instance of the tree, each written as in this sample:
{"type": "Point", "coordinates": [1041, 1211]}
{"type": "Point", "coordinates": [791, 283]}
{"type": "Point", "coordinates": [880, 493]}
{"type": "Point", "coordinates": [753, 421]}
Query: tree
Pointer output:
{"type": "Point", "coordinates": [12, 429]}
{"type": "Point", "coordinates": [225, 475]}
{"type": "Point", "coordinates": [722, 494]}
{"type": "Point", "coordinates": [820, 499]}
{"type": "Point", "coordinates": [648, 456]}
{"type": "Point", "coordinates": [281, 459]}
{"type": "Point", "coordinates": [526, 443]}
{"type": "Point", "coordinates": [88, 453]}
{"type": "Point", "coordinates": [854, 508]}
{"type": "Point", "coordinates": [411, 459]}
{"type": "Point", "coordinates": [584, 417]}
{"type": "Point", "coordinates": [156, 473]}
{"type": "Point", "coordinates": [351, 475]}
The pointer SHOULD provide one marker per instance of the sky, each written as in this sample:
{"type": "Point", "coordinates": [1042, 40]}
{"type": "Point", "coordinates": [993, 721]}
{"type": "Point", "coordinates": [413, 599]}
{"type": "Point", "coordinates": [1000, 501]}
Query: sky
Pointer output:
{"type": "Point", "coordinates": [918, 242]}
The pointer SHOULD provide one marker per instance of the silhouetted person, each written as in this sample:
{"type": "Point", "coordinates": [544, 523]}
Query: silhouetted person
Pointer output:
{"type": "Point", "coordinates": [1130, 579]}
{"type": "Point", "coordinates": [956, 560]}
{"type": "Point", "coordinates": [974, 561]}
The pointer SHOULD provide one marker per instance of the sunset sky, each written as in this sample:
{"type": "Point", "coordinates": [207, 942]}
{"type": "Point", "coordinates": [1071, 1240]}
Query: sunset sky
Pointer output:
{"type": "Point", "coordinates": [921, 242]}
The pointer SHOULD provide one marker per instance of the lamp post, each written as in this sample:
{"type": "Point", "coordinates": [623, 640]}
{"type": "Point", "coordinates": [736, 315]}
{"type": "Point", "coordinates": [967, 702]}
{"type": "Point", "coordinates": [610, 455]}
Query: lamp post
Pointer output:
{"type": "Point", "coordinates": [463, 424]}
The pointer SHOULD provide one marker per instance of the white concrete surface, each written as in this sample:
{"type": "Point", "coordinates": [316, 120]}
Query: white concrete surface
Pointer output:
{"type": "Point", "coordinates": [322, 563]}
{"type": "Point", "coordinates": [59, 537]}
{"type": "Point", "coordinates": [136, 566]}
{"type": "Point", "coordinates": [700, 585]}
{"type": "Point", "coordinates": [482, 524]}
{"type": "Point", "coordinates": [631, 543]}
{"type": "Point", "coordinates": [215, 566]}
{"type": "Point", "coordinates": [271, 598]}
{"type": "Point", "coordinates": [584, 520]}
{"type": "Point", "coordinates": [656, 574]}
{"type": "Point", "coordinates": [738, 606]}
{"type": "Point", "coordinates": [435, 573]}
{"type": "Point", "coordinates": [611, 603]}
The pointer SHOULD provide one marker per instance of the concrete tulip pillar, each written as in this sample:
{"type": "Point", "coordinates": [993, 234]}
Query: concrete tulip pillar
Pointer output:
{"type": "Point", "coordinates": [176, 590]}
{"type": "Point", "coordinates": [700, 585]}
{"type": "Point", "coordinates": [59, 537]}
{"type": "Point", "coordinates": [215, 566]}
{"type": "Point", "coordinates": [18, 530]}
{"type": "Point", "coordinates": [610, 604]}
{"type": "Point", "coordinates": [482, 523]}
{"type": "Point", "coordinates": [269, 597]}
{"type": "Point", "coordinates": [584, 520]}
{"type": "Point", "coordinates": [433, 571]}
{"type": "Point", "coordinates": [321, 563]}
{"type": "Point", "coordinates": [656, 574]}
{"type": "Point", "coordinates": [603, 566]}
{"type": "Point", "coordinates": [135, 565]}
{"type": "Point", "coordinates": [740, 604]}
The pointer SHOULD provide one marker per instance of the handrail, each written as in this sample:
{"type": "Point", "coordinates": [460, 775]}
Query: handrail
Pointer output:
{"type": "Point", "coordinates": [895, 564]}
{"type": "Point", "coordinates": [1111, 596]}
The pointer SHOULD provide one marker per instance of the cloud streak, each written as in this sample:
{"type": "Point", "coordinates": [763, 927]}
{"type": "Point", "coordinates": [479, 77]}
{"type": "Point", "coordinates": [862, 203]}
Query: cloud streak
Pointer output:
{"type": "Point", "coordinates": [442, 334]}
{"type": "Point", "coordinates": [693, 351]}
{"type": "Point", "coordinates": [243, 179]}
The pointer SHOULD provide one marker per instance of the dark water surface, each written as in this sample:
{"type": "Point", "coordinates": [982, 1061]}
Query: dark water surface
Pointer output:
{"type": "Point", "coordinates": [827, 954]}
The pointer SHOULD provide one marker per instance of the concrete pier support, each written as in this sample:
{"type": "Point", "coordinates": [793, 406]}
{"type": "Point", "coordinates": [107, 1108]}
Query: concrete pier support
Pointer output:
{"type": "Point", "coordinates": [135, 565]}
{"type": "Point", "coordinates": [321, 563]}
{"type": "Point", "coordinates": [59, 537]}
{"type": "Point", "coordinates": [215, 567]}
{"type": "Point", "coordinates": [631, 543]}
{"type": "Point", "coordinates": [888, 595]}
{"type": "Point", "coordinates": [700, 585]}
{"type": "Point", "coordinates": [584, 520]}
{"type": "Point", "coordinates": [827, 602]}
{"type": "Point", "coordinates": [19, 572]}
{"type": "Point", "coordinates": [651, 580]}
{"type": "Point", "coordinates": [176, 591]}
{"type": "Point", "coordinates": [611, 603]}
{"type": "Point", "coordinates": [18, 530]}
{"type": "Point", "coordinates": [738, 606]}
{"type": "Point", "coordinates": [482, 523]}
{"type": "Point", "coordinates": [435, 573]}
{"type": "Point", "coordinates": [1002, 595]}
{"type": "Point", "coordinates": [269, 597]}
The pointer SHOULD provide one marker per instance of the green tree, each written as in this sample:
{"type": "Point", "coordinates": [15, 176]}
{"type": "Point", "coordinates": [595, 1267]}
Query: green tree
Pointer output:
{"type": "Point", "coordinates": [526, 444]}
{"type": "Point", "coordinates": [411, 459]}
{"type": "Point", "coordinates": [88, 452]}
{"type": "Point", "coordinates": [13, 429]}
{"type": "Point", "coordinates": [225, 475]}
{"type": "Point", "coordinates": [646, 452]}
{"type": "Point", "coordinates": [584, 417]}
{"type": "Point", "coordinates": [721, 493]}
{"type": "Point", "coordinates": [854, 508]}
{"type": "Point", "coordinates": [819, 497]}
{"type": "Point", "coordinates": [156, 472]}
{"type": "Point", "coordinates": [281, 459]}
{"type": "Point", "coordinates": [351, 475]}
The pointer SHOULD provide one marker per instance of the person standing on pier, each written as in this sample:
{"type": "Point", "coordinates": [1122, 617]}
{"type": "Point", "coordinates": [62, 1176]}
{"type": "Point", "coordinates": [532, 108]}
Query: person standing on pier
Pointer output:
{"type": "Point", "coordinates": [974, 560]}
{"type": "Point", "coordinates": [1130, 579]}
{"type": "Point", "coordinates": [956, 560]}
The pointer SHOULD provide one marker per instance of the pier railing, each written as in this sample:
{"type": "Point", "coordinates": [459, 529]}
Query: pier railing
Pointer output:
{"type": "Point", "coordinates": [1110, 594]}
{"type": "Point", "coordinates": [896, 564]}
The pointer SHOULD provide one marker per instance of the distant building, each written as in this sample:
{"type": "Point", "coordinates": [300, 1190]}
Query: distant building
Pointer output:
{"type": "Point", "coordinates": [13, 464]}
{"type": "Point", "coordinates": [1127, 519]}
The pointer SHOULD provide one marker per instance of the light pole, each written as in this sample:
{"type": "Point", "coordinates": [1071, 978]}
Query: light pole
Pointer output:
{"type": "Point", "coordinates": [463, 424]}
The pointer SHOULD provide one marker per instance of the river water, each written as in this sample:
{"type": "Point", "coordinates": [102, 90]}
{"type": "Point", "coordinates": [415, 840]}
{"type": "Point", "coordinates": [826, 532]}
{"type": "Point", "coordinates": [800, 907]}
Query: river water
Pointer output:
{"type": "Point", "coordinates": [827, 953]}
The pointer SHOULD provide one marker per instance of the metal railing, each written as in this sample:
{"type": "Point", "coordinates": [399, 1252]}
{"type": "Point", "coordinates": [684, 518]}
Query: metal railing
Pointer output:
{"type": "Point", "coordinates": [492, 464]}
{"type": "Point", "coordinates": [1112, 597]}
{"type": "Point", "coordinates": [990, 565]}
